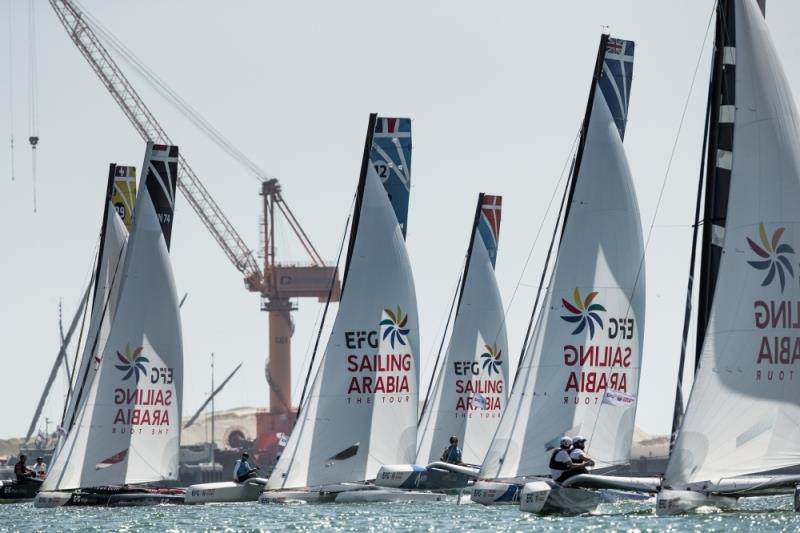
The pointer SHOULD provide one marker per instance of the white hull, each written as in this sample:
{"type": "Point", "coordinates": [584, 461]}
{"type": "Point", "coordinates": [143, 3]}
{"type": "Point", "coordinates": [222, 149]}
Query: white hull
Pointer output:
{"type": "Point", "coordinates": [435, 476]}
{"type": "Point", "coordinates": [225, 492]}
{"type": "Point", "coordinates": [50, 499]}
{"type": "Point", "coordinates": [547, 497]}
{"type": "Point", "coordinates": [672, 502]}
{"type": "Point", "coordinates": [495, 493]}
{"type": "Point", "coordinates": [387, 495]}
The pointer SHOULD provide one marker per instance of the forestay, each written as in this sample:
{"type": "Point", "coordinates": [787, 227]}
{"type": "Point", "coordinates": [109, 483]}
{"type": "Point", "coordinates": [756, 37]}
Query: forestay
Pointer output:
{"type": "Point", "coordinates": [587, 337]}
{"type": "Point", "coordinates": [128, 429]}
{"type": "Point", "coordinates": [362, 409]}
{"type": "Point", "coordinates": [744, 408]}
{"type": "Point", "coordinates": [470, 391]}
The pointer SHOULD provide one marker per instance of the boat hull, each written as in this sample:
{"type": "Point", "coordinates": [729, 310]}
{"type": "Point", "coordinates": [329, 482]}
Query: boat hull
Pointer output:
{"type": "Point", "coordinates": [431, 477]}
{"type": "Point", "coordinates": [296, 496]}
{"type": "Point", "coordinates": [547, 497]}
{"type": "Point", "coordinates": [225, 492]}
{"type": "Point", "coordinates": [388, 495]}
{"type": "Point", "coordinates": [108, 497]}
{"type": "Point", "coordinates": [495, 493]}
{"type": "Point", "coordinates": [672, 502]}
{"type": "Point", "coordinates": [13, 491]}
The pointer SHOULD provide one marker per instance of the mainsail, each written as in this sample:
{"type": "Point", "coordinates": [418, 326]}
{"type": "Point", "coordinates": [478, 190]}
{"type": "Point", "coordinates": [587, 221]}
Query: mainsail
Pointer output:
{"type": "Point", "coordinates": [743, 412]}
{"type": "Point", "coordinates": [128, 428]}
{"type": "Point", "coordinates": [362, 408]}
{"type": "Point", "coordinates": [110, 258]}
{"type": "Point", "coordinates": [580, 373]}
{"type": "Point", "coordinates": [470, 392]}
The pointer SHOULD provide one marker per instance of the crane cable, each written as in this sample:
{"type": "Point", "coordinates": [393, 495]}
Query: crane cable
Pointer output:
{"type": "Point", "coordinates": [11, 81]}
{"type": "Point", "coordinates": [33, 139]}
{"type": "Point", "coordinates": [172, 97]}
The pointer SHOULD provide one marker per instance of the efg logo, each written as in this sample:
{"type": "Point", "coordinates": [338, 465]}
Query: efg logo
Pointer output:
{"type": "Point", "coordinates": [393, 325]}
{"type": "Point", "coordinates": [772, 254]}
{"type": "Point", "coordinates": [583, 312]}
{"type": "Point", "coordinates": [133, 363]}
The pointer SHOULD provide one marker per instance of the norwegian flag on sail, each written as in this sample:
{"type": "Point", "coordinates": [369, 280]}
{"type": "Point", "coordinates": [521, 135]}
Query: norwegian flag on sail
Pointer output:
{"type": "Point", "coordinates": [111, 461]}
{"type": "Point", "coordinates": [613, 397]}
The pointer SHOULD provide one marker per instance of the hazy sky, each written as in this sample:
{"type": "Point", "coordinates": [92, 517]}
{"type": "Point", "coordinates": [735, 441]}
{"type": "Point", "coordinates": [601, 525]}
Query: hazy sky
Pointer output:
{"type": "Point", "coordinates": [496, 91]}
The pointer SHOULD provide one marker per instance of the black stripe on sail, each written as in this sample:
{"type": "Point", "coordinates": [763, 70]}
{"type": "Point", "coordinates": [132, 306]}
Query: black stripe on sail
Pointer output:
{"type": "Point", "coordinates": [161, 182]}
{"type": "Point", "coordinates": [362, 179]}
{"type": "Point", "coordinates": [719, 131]}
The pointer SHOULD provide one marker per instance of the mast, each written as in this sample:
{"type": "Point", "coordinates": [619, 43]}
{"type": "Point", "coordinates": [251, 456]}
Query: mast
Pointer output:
{"type": "Point", "coordinates": [87, 364]}
{"type": "Point", "coordinates": [462, 283]}
{"type": "Point", "coordinates": [212, 408]}
{"type": "Point", "coordinates": [362, 178]}
{"type": "Point", "coordinates": [718, 163]}
{"type": "Point", "coordinates": [576, 167]}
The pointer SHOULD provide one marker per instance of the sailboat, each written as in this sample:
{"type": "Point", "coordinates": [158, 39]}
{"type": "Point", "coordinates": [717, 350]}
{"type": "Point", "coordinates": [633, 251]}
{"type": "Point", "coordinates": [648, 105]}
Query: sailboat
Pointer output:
{"type": "Point", "coordinates": [741, 421]}
{"type": "Point", "coordinates": [470, 391]}
{"type": "Point", "coordinates": [580, 370]}
{"type": "Point", "coordinates": [362, 408]}
{"type": "Point", "coordinates": [111, 253]}
{"type": "Point", "coordinates": [125, 426]}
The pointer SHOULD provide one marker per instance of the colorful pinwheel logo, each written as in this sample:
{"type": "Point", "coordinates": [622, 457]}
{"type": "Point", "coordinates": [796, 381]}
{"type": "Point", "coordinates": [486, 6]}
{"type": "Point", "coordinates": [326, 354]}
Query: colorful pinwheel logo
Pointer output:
{"type": "Point", "coordinates": [393, 326]}
{"type": "Point", "coordinates": [132, 363]}
{"type": "Point", "coordinates": [584, 312]}
{"type": "Point", "coordinates": [491, 359]}
{"type": "Point", "coordinates": [773, 256]}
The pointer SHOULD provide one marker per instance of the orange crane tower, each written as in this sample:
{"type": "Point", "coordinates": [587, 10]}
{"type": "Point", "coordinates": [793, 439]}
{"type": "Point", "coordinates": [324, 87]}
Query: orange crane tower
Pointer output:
{"type": "Point", "coordinates": [277, 283]}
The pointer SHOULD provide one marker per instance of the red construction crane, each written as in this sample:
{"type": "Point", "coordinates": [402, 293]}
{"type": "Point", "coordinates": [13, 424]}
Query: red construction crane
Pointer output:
{"type": "Point", "coordinates": [277, 283]}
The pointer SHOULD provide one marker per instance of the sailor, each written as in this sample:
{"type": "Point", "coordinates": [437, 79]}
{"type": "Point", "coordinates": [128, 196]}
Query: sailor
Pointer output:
{"type": "Point", "coordinates": [561, 465]}
{"type": "Point", "coordinates": [578, 454]}
{"type": "Point", "coordinates": [452, 454]}
{"type": "Point", "coordinates": [40, 468]}
{"type": "Point", "coordinates": [23, 473]}
{"type": "Point", "coordinates": [242, 470]}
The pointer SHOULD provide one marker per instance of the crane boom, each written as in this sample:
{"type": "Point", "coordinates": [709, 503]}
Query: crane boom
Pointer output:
{"type": "Point", "coordinates": [148, 127]}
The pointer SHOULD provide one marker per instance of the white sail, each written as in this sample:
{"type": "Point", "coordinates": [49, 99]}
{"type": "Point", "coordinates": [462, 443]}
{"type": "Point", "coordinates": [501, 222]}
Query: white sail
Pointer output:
{"type": "Point", "coordinates": [470, 391]}
{"type": "Point", "coordinates": [107, 283]}
{"type": "Point", "coordinates": [362, 408]}
{"type": "Point", "coordinates": [128, 429]}
{"type": "Point", "coordinates": [744, 408]}
{"type": "Point", "coordinates": [588, 335]}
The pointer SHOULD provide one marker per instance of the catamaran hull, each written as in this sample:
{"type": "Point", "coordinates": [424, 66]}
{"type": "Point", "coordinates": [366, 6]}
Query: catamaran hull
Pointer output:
{"type": "Point", "coordinates": [431, 477]}
{"type": "Point", "coordinates": [495, 493]}
{"type": "Point", "coordinates": [106, 498]}
{"type": "Point", "coordinates": [296, 496]}
{"type": "Point", "coordinates": [225, 492]}
{"type": "Point", "coordinates": [544, 497]}
{"type": "Point", "coordinates": [672, 502]}
{"type": "Point", "coordinates": [13, 492]}
{"type": "Point", "coordinates": [387, 495]}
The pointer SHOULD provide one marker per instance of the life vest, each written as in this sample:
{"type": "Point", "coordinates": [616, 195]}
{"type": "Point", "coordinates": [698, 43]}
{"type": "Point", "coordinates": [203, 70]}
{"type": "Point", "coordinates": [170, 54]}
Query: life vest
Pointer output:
{"type": "Point", "coordinates": [558, 465]}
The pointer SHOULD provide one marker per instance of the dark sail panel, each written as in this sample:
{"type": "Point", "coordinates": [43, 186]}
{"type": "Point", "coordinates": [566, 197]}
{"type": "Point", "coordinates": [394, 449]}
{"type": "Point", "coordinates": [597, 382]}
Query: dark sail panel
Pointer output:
{"type": "Point", "coordinates": [161, 167]}
{"type": "Point", "coordinates": [722, 110]}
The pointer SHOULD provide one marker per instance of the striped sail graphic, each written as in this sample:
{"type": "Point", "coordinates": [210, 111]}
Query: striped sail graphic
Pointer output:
{"type": "Point", "coordinates": [362, 408]}
{"type": "Point", "coordinates": [128, 428]}
{"type": "Point", "coordinates": [470, 392]}
{"type": "Point", "coordinates": [743, 412]}
{"type": "Point", "coordinates": [587, 337]}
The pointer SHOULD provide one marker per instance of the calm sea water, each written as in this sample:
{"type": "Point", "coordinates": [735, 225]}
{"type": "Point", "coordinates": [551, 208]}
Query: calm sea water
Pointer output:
{"type": "Point", "coordinates": [440, 516]}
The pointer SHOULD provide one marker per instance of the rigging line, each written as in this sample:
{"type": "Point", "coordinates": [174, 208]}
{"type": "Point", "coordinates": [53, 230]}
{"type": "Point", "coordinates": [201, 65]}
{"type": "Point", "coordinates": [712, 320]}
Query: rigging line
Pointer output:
{"type": "Point", "coordinates": [661, 190]}
{"type": "Point", "coordinates": [11, 81]}
{"type": "Point", "coordinates": [325, 311]}
{"type": "Point", "coordinates": [173, 98]}
{"type": "Point", "coordinates": [441, 345]}
{"type": "Point", "coordinates": [34, 106]}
